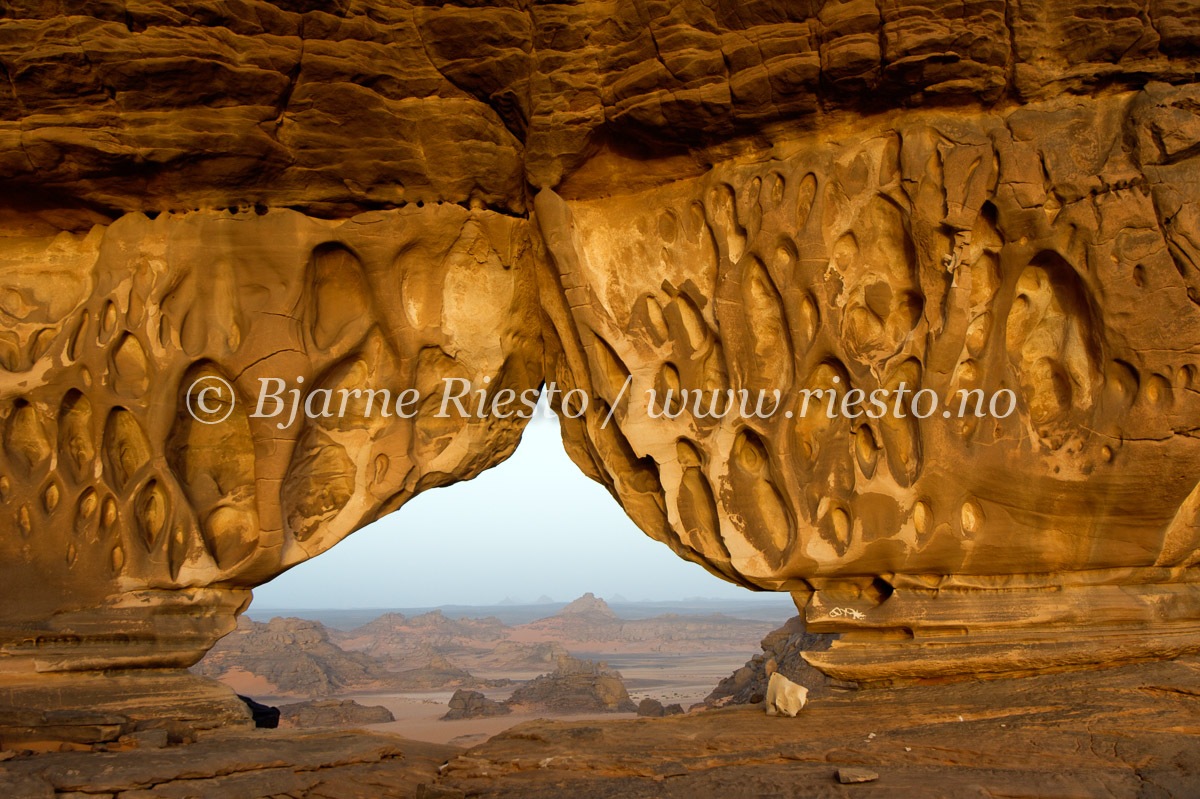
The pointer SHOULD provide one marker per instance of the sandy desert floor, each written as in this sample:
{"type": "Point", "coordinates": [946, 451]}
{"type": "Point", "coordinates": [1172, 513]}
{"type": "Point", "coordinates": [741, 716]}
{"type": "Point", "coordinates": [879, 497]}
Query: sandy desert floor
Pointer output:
{"type": "Point", "coordinates": [668, 678]}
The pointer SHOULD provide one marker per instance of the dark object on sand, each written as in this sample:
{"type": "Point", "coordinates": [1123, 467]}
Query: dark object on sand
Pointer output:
{"type": "Point", "coordinates": [265, 716]}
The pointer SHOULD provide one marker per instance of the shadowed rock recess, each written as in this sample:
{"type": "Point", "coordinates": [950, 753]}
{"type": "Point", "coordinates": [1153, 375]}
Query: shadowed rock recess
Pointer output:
{"type": "Point", "coordinates": [690, 196]}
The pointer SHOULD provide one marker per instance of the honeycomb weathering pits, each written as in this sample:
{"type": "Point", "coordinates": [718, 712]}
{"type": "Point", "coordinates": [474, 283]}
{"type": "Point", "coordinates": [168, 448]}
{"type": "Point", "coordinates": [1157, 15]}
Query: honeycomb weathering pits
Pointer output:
{"type": "Point", "coordinates": [939, 253]}
{"type": "Point", "coordinates": [760, 196]}
{"type": "Point", "coordinates": [116, 489]}
{"type": "Point", "coordinates": [870, 265]}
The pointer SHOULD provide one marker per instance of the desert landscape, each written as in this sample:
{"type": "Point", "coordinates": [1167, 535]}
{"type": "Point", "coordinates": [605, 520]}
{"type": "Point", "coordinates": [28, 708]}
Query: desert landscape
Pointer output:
{"type": "Point", "coordinates": [887, 308]}
{"type": "Point", "coordinates": [413, 665]}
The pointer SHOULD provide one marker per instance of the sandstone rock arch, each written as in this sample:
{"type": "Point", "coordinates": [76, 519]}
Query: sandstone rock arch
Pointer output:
{"type": "Point", "coordinates": [738, 197]}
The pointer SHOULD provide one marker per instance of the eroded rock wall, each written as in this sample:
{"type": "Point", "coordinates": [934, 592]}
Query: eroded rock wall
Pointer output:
{"type": "Point", "coordinates": [937, 251]}
{"type": "Point", "coordinates": [128, 491]}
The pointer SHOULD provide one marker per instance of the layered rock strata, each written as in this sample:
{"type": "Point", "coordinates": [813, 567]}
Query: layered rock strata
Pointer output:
{"type": "Point", "coordinates": [308, 764]}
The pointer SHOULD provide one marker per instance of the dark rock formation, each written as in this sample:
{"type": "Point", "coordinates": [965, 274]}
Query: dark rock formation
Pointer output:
{"type": "Point", "coordinates": [299, 657]}
{"type": "Point", "coordinates": [783, 652]}
{"type": "Point", "coordinates": [575, 686]}
{"type": "Point", "coordinates": [296, 656]}
{"type": "Point", "coordinates": [472, 704]}
{"type": "Point", "coordinates": [265, 716]}
{"type": "Point", "coordinates": [332, 713]}
{"type": "Point", "coordinates": [650, 708]}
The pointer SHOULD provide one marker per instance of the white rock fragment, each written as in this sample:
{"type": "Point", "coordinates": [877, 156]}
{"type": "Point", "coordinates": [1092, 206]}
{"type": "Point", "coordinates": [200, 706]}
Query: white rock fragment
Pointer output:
{"type": "Point", "coordinates": [851, 776]}
{"type": "Point", "coordinates": [784, 697]}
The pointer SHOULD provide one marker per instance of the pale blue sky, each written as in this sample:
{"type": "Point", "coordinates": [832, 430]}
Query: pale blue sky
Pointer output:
{"type": "Point", "coordinates": [532, 526]}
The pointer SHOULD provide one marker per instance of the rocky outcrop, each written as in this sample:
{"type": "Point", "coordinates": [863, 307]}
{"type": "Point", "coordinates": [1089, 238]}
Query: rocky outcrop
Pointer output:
{"type": "Point", "coordinates": [473, 705]}
{"type": "Point", "coordinates": [512, 656]}
{"type": "Point", "coordinates": [575, 686]}
{"type": "Point", "coordinates": [784, 652]}
{"type": "Point", "coordinates": [306, 659]}
{"type": "Point", "coordinates": [332, 713]}
{"type": "Point", "coordinates": [589, 607]}
{"type": "Point", "coordinates": [298, 657]}
{"type": "Point", "coordinates": [652, 708]}
{"type": "Point", "coordinates": [78, 711]}
{"type": "Point", "coordinates": [840, 197]}
{"type": "Point", "coordinates": [1124, 731]}
{"type": "Point", "coordinates": [328, 109]}
{"type": "Point", "coordinates": [295, 656]}
{"type": "Point", "coordinates": [439, 673]}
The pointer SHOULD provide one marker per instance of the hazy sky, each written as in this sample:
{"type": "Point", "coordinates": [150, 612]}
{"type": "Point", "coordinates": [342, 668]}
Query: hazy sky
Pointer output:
{"type": "Point", "coordinates": [533, 525]}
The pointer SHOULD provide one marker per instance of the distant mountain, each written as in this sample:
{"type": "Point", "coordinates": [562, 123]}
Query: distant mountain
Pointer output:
{"type": "Point", "coordinates": [589, 625]}
{"type": "Point", "coordinates": [402, 638]}
{"type": "Point", "coordinates": [588, 605]}
{"type": "Point", "coordinates": [776, 608]}
{"type": "Point", "coordinates": [544, 600]}
{"type": "Point", "coordinates": [434, 648]}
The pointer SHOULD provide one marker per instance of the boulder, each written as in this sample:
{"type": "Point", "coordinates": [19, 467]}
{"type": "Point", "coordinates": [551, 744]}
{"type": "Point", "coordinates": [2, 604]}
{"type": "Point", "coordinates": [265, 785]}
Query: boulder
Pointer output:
{"type": "Point", "coordinates": [784, 697]}
{"type": "Point", "coordinates": [575, 686]}
{"type": "Point", "coordinates": [651, 708]}
{"type": "Point", "coordinates": [332, 713]}
{"type": "Point", "coordinates": [472, 705]}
